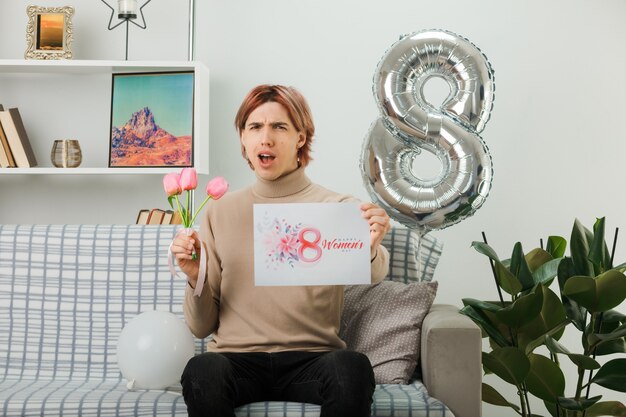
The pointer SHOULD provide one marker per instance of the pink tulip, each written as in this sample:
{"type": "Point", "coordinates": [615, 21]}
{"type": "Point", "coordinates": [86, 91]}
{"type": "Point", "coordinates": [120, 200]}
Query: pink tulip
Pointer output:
{"type": "Point", "coordinates": [172, 184]}
{"type": "Point", "coordinates": [217, 187]}
{"type": "Point", "coordinates": [188, 179]}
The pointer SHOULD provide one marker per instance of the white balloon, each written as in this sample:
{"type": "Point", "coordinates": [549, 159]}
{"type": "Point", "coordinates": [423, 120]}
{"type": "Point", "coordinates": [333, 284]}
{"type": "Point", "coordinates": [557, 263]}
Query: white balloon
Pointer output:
{"type": "Point", "coordinates": [153, 349]}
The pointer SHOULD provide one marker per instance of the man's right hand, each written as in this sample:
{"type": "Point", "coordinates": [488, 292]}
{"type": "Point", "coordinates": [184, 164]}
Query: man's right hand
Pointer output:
{"type": "Point", "coordinates": [184, 247]}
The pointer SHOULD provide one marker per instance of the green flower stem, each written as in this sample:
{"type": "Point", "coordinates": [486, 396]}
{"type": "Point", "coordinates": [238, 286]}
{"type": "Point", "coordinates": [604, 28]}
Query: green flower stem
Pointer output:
{"type": "Point", "coordinates": [187, 224]}
{"type": "Point", "coordinates": [200, 208]}
{"type": "Point", "coordinates": [182, 212]}
{"type": "Point", "coordinates": [183, 215]}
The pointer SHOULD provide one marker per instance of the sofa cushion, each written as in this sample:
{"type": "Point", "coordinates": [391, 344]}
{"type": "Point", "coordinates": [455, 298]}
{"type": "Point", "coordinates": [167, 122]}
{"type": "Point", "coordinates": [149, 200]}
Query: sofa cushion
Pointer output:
{"type": "Point", "coordinates": [412, 258]}
{"type": "Point", "coordinates": [384, 321]}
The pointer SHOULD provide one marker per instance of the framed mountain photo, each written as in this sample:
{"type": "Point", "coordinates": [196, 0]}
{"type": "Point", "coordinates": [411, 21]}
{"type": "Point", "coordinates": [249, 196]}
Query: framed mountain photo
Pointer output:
{"type": "Point", "coordinates": [152, 120]}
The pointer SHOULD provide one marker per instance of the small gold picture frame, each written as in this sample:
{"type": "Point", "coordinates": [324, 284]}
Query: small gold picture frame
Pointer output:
{"type": "Point", "coordinates": [49, 32]}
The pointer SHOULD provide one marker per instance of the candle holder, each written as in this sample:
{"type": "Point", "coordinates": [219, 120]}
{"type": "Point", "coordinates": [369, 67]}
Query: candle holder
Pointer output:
{"type": "Point", "coordinates": [66, 153]}
{"type": "Point", "coordinates": [127, 13]}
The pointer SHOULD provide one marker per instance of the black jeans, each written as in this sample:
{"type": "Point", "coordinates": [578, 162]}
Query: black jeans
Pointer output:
{"type": "Point", "coordinates": [341, 381]}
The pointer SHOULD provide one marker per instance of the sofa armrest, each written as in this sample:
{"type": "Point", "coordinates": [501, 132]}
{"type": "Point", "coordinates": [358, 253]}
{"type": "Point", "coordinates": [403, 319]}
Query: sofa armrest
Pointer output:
{"type": "Point", "coordinates": [451, 360]}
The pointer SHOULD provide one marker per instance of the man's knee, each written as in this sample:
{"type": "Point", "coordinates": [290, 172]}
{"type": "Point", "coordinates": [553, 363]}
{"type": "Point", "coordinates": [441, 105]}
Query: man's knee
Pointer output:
{"type": "Point", "coordinates": [353, 372]}
{"type": "Point", "coordinates": [350, 388]}
{"type": "Point", "coordinates": [206, 369]}
{"type": "Point", "coordinates": [353, 364]}
{"type": "Point", "coordinates": [208, 385]}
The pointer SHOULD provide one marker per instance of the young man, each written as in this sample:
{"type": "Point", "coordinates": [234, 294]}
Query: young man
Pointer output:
{"type": "Point", "coordinates": [270, 343]}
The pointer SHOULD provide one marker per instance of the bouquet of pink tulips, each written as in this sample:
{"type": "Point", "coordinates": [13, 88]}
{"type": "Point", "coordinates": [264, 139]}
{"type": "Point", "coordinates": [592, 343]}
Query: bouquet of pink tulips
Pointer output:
{"type": "Point", "coordinates": [174, 185]}
{"type": "Point", "coordinates": [187, 180]}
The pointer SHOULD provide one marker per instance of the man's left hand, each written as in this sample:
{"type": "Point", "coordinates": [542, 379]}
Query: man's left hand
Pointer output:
{"type": "Point", "coordinates": [379, 224]}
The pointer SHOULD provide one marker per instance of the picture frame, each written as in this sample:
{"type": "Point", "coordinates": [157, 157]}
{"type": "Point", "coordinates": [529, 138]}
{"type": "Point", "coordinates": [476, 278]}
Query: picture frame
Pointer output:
{"type": "Point", "coordinates": [49, 32]}
{"type": "Point", "coordinates": [152, 120]}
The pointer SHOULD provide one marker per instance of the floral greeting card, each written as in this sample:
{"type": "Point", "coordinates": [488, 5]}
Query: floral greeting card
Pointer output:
{"type": "Point", "coordinates": [311, 244]}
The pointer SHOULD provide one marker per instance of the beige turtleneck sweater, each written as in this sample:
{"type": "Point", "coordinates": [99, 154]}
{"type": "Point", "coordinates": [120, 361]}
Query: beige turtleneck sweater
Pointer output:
{"type": "Point", "coordinates": [247, 318]}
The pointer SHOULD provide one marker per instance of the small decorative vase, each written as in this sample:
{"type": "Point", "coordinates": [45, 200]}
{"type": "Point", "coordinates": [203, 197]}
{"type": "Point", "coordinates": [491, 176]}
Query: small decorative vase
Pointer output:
{"type": "Point", "coordinates": [66, 153]}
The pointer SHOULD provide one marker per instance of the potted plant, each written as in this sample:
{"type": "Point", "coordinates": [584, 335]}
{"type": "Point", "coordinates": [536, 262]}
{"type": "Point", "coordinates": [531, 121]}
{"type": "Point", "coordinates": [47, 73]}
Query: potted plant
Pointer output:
{"type": "Point", "coordinates": [534, 316]}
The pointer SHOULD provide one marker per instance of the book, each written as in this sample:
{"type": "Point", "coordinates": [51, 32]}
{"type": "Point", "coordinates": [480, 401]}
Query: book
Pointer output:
{"type": "Point", "coordinates": [176, 218]}
{"type": "Point", "coordinates": [167, 217]}
{"type": "Point", "coordinates": [156, 216]}
{"type": "Point", "coordinates": [18, 139]}
{"type": "Point", "coordinates": [6, 157]}
{"type": "Point", "coordinates": [142, 217]}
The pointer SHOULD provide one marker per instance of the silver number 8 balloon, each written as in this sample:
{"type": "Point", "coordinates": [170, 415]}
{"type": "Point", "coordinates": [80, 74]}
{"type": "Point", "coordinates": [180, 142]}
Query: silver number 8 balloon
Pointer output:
{"type": "Point", "coordinates": [410, 124]}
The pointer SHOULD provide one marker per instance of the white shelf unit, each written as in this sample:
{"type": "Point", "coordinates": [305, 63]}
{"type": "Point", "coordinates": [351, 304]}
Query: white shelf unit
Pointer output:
{"type": "Point", "coordinates": [95, 149]}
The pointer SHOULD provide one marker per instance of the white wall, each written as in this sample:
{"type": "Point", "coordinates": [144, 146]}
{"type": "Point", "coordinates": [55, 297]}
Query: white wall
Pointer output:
{"type": "Point", "coordinates": [556, 134]}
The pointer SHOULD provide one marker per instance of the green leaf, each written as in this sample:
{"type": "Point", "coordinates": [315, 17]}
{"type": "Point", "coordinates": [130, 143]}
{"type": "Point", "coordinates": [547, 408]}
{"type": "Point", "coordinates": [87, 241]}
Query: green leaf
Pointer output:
{"type": "Point", "coordinates": [612, 375]}
{"type": "Point", "coordinates": [579, 248]}
{"type": "Point", "coordinates": [613, 316]}
{"type": "Point", "coordinates": [546, 272]}
{"type": "Point", "coordinates": [556, 246]}
{"type": "Point", "coordinates": [170, 200]}
{"type": "Point", "coordinates": [611, 289]}
{"type": "Point", "coordinates": [555, 347]}
{"type": "Point", "coordinates": [482, 305]}
{"type": "Point", "coordinates": [606, 408]}
{"type": "Point", "coordinates": [534, 344]}
{"type": "Point", "coordinates": [581, 289]}
{"type": "Point", "coordinates": [509, 283]}
{"type": "Point", "coordinates": [545, 379]}
{"type": "Point", "coordinates": [610, 323]}
{"type": "Point", "coordinates": [509, 363]}
{"type": "Point", "coordinates": [523, 310]}
{"type": "Point", "coordinates": [491, 396]}
{"type": "Point", "coordinates": [575, 313]}
{"type": "Point", "coordinates": [505, 279]}
{"type": "Point", "coordinates": [537, 257]}
{"type": "Point", "coordinates": [485, 249]}
{"type": "Point", "coordinates": [583, 362]}
{"type": "Point", "coordinates": [520, 268]}
{"type": "Point", "coordinates": [598, 294]}
{"type": "Point", "coordinates": [619, 333]}
{"type": "Point", "coordinates": [611, 347]}
{"type": "Point", "coordinates": [483, 321]}
{"type": "Point", "coordinates": [598, 252]}
{"type": "Point", "coordinates": [551, 407]}
{"type": "Point", "coordinates": [621, 267]}
{"type": "Point", "coordinates": [551, 321]}
{"type": "Point", "coordinates": [578, 405]}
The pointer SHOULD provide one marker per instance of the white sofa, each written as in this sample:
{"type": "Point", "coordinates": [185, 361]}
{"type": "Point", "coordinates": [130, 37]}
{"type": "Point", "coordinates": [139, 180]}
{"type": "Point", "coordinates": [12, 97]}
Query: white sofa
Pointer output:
{"type": "Point", "coordinates": [67, 291]}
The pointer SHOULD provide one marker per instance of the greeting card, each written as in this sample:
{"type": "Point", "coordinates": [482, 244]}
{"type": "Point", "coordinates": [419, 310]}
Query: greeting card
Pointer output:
{"type": "Point", "coordinates": [311, 244]}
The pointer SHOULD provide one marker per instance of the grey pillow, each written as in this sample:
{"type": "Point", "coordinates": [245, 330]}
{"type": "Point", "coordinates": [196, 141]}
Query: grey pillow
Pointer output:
{"type": "Point", "coordinates": [411, 258]}
{"type": "Point", "coordinates": [384, 321]}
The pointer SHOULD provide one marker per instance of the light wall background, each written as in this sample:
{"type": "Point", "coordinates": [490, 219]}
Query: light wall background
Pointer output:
{"type": "Point", "coordinates": [557, 132]}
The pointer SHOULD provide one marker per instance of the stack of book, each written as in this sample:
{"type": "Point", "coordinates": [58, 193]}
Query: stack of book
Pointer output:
{"type": "Point", "coordinates": [15, 149]}
{"type": "Point", "coordinates": [158, 216]}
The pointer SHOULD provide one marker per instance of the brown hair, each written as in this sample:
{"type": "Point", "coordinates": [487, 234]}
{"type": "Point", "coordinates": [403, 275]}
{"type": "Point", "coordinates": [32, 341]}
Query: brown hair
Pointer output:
{"type": "Point", "coordinates": [297, 109]}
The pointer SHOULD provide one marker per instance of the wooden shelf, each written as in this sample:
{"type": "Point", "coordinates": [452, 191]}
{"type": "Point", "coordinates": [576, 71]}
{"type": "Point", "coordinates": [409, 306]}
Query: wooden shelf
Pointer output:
{"type": "Point", "coordinates": [18, 73]}
{"type": "Point", "coordinates": [21, 66]}
{"type": "Point", "coordinates": [86, 171]}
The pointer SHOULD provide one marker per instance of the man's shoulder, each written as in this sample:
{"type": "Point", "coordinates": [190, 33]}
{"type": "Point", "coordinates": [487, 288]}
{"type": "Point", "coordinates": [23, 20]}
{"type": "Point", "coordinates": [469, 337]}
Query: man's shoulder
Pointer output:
{"type": "Point", "coordinates": [326, 195]}
{"type": "Point", "coordinates": [230, 201]}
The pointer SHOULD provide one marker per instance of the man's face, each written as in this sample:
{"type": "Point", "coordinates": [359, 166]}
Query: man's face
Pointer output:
{"type": "Point", "coordinates": [271, 141]}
